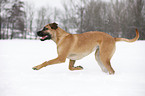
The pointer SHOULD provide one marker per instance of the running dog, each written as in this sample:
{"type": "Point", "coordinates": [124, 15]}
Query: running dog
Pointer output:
{"type": "Point", "coordinates": [77, 46]}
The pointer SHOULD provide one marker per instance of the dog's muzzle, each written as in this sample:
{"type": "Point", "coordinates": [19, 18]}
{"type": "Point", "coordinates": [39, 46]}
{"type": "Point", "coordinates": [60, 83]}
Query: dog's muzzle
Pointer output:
{"type": "Point", "coordinates": [45, 36]}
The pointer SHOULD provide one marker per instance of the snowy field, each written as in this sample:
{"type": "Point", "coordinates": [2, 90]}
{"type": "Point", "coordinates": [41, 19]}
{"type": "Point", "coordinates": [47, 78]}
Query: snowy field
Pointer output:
{"type": "Point", "coordinates": [17, 57]}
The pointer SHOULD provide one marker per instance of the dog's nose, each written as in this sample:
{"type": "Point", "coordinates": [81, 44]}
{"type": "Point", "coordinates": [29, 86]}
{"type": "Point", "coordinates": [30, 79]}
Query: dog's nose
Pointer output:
{"type": "Point", "coordinates": [39, 33]}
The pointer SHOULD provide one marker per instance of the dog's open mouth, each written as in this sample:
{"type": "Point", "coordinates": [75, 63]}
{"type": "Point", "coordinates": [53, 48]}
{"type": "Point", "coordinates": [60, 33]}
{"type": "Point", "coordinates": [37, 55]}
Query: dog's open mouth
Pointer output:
{"type": "Point", "coordinates": [45, 37]}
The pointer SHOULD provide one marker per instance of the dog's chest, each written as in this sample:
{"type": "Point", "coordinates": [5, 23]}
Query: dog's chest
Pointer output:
{"type": "Point", "coordinates": [77, 56]}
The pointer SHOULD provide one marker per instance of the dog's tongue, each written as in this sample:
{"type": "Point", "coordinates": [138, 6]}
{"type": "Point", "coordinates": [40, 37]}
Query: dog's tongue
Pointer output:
{"type": "Point", "coordinates": [44, 37]}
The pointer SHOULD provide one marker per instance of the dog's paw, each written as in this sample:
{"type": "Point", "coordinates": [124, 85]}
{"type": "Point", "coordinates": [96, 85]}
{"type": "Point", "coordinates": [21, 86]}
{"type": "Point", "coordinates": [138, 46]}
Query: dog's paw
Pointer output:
{"type": "Point", "coordinates": [76, 68]}
{"type": "Point", "coordinates": [79, 68]}
{"type": "Point", "coordinates": [34, 68]}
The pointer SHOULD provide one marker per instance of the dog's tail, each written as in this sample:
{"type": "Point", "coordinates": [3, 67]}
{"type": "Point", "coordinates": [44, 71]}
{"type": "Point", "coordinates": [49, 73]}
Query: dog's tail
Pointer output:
{"type": "Point", "coordinates": [129, 40]}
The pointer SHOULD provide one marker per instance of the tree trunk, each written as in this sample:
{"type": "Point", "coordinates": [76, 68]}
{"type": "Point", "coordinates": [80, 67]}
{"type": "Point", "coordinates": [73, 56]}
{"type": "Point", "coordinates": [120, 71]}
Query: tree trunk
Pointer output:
{"type": "Point", "coordinates": [0, 22]}
{"type": "Point", "coordinates": [12, 34]}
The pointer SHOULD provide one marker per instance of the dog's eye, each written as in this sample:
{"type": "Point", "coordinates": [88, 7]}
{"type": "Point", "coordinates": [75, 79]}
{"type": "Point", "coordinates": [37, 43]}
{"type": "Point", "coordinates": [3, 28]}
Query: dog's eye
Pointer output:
{"type": "Point", "coordinates": [45, 28]}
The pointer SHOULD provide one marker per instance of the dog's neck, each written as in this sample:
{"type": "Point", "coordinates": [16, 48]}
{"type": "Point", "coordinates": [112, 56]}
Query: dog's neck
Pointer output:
{"type": "Point", "coordinates": [59, 35]}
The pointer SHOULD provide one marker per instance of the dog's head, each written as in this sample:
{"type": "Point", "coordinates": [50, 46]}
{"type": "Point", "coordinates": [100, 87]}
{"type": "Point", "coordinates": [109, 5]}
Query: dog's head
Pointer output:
{"type": "Point", "coordinates": [47, 32]}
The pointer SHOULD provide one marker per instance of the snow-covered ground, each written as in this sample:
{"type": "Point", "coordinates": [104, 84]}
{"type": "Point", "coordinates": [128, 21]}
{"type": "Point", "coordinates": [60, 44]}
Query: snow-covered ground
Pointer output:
{"type": "Point", "coordinates": [17, 57]}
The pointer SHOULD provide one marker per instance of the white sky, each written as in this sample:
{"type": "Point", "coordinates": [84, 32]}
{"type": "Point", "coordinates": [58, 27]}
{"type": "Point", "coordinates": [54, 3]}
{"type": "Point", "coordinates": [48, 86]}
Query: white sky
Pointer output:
{"type": "Point", "coordinates": [51, 3]}
{"type": "Point", "coordinates": [40, 3]}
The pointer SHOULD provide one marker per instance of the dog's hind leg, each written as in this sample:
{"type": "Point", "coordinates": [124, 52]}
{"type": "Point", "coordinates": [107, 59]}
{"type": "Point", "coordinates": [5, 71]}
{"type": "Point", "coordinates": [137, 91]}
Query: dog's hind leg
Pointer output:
{"type": "Point", "coordinates": [106, 52]}
{"type": "Point", "coordinates": [71, 66]}
{"type": "Point", "coordinates": [97, 57]}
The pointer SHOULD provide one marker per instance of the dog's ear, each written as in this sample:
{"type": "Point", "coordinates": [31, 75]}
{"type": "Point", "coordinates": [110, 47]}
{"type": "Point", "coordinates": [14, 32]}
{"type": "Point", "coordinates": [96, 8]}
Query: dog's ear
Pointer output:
{"type": "Point", "coordinates": [53, 25]}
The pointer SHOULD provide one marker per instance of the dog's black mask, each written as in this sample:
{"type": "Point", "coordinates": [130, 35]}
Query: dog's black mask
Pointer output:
{"type": "Point", "coordinates": [45, 36]}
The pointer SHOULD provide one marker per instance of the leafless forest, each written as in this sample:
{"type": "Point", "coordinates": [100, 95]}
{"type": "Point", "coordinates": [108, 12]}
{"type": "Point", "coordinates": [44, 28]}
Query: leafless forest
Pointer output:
{"type": "Point", "coordinates": [118, 18]}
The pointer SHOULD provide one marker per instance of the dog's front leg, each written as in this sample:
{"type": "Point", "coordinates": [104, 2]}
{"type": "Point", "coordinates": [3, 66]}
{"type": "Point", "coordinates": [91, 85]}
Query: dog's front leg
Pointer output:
{"type": "Point", "coordinates": [71, 66]}
{"type": "Point", "coordinates": [62, 50]}
{"type": "Point", "coordinates": [54, 61]}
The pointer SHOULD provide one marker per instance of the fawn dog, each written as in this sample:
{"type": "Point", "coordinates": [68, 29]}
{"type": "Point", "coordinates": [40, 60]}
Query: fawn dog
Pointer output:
{"type": "Point", "coordinates": [77, 46]}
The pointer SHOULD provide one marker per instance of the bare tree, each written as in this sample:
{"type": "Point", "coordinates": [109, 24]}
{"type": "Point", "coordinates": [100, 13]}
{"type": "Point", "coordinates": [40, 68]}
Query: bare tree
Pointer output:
{"type": "Point", "coordinates": [73, 16]}
{"type": "Point", "coordinates": [118, 8]}
{"type": "Point", "coordinates": [92, 16]}
{"type": "Point", "coordinates": [139, 19]}
{"type": "Point", "coordinates": [16, 18]}
{"type": "Point", "coordinates": [30, 11]}
{"type": "Point", "coordinates": [2, 7]}
{"type": "Point", "coordinates": [43, 17]}
{"type": "Point", "coordinates": [40, 21]}
{"type": "Point", "coordinates": [65, 18]}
